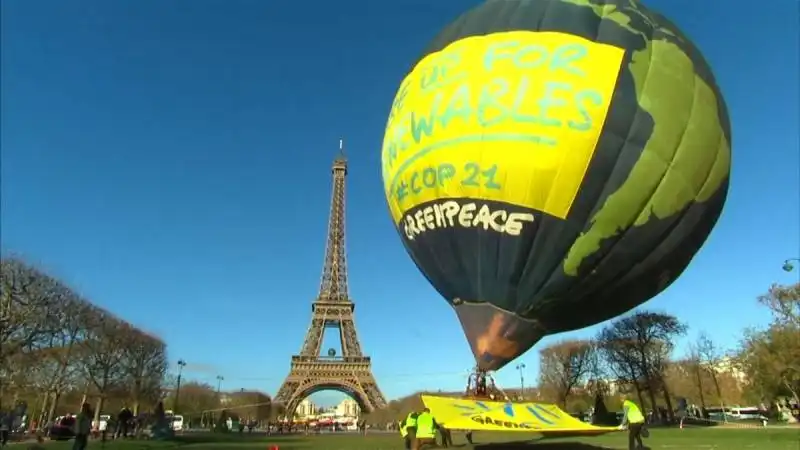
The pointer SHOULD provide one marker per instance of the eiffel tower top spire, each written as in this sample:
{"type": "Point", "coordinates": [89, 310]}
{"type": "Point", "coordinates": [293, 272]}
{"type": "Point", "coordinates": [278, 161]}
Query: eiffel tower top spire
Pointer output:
{"type": "Point", "coordinates": [333, 287]}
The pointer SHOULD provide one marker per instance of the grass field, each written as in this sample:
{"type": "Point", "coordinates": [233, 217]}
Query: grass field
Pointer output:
{"type": "Point", "coordinates": [688, 439]}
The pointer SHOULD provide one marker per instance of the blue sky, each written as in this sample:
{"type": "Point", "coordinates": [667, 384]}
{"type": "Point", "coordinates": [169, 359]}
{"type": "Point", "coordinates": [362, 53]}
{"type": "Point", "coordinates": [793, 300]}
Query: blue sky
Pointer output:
{"type": "Point", "coordinates": [170, 160]}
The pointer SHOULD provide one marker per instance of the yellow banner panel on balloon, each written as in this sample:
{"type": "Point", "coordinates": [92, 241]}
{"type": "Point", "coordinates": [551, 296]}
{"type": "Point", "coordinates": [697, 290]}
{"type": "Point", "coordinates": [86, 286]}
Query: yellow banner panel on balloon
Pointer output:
{"type": "Point", "coordinates": [513, 117]}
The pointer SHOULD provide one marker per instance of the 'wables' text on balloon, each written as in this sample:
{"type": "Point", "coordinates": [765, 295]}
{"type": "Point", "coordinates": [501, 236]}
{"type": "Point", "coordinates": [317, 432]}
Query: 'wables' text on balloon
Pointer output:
{"type": "Point", "coordinates": [548, 102]}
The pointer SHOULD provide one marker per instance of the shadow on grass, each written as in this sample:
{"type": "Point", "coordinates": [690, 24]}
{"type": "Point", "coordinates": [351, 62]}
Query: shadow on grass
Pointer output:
{"type": "Point", "coordinates": [210, 438]}
{"type": "Point", "coordinates": [261, 441]}
{"type": "Point", "coordinates": [534, 445]}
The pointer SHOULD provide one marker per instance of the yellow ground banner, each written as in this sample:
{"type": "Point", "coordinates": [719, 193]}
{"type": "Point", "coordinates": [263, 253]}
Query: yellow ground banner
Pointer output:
{"type": "Point", "coordinates": [469, 414]}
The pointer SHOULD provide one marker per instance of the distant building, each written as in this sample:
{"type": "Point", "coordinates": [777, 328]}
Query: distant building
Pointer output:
{"type": "Point", "coordinates": [306, 408]}
{"type": "Point", "coordinates": [728, 365]}
{"type": "Point", "coordinates": [348, 408]}
{"type": "Point", "coordinates": [609, 386]}
{"type": "Point", "coordinates": [725, 365]}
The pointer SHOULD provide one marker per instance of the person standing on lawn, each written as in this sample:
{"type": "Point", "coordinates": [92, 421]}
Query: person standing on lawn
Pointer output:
{"type": "Point", "coordinates": [634, 420]}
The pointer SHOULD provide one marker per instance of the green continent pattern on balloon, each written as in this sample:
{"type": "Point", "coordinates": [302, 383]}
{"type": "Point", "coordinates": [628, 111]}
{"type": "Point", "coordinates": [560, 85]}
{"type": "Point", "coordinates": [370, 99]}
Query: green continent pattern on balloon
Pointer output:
{"type": "Point", "coordinates": [674, 168]}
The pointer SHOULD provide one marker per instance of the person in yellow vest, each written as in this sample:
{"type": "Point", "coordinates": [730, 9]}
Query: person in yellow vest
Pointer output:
{"type": "Point", "coordinates": [634, 420]}
{"type": "Point", "coordinates": [408, 429]}
{"type": "Point", "coordinates": [426, 430]}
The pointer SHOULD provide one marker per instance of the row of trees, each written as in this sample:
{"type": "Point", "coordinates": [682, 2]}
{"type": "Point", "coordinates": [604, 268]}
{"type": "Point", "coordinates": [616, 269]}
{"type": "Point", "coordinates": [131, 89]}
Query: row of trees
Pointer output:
{"type": "Point", "coordinates": [634, 354]}
{"type": "Point", "coordinates": [58, 349]}
{"type": "Point", "coordinates": [200, 404]}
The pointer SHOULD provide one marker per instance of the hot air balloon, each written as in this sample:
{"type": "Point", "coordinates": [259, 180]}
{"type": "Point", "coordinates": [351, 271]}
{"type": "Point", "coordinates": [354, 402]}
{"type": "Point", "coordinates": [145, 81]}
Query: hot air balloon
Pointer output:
{"type": "Point", "coordinates": [550, 164]}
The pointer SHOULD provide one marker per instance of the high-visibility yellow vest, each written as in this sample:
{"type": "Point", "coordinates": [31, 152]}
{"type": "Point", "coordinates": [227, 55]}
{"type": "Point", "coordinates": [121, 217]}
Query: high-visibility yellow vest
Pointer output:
{"type": "Point", "coordinates": [410, 421]}
{"type": "Point", "coordinates": [632, 412]}
{"type": "Point", "coordinates": [425, 426]}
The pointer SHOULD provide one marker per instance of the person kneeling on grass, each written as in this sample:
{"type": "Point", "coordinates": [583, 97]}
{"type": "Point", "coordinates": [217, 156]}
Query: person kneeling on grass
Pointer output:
{"type": "Point", "coordinates": [634, 419]}
{"type": "Point", "coordinates": [426, 430]}
{"type": "Point", "coordinates": [408, 429]}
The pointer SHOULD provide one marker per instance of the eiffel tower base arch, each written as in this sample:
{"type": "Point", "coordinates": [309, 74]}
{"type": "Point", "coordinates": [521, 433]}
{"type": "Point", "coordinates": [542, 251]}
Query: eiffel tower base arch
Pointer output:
{"type": "Point", "coordinates": [305, 390]}
{"type": "Point", "coordinates": [352, 376]}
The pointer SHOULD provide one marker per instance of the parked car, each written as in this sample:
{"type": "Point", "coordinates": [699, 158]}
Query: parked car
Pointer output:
{"type": "Point", "coordinates": [62, 429]}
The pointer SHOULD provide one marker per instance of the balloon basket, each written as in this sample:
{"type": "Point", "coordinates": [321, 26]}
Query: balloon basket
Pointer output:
{"type": "Point", "coordinates": [481, 386]}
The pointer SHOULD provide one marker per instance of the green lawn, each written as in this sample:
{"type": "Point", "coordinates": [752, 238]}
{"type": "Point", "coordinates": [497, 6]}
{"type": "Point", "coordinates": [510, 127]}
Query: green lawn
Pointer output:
{"type": "Point", "coordinates": [688, 439]}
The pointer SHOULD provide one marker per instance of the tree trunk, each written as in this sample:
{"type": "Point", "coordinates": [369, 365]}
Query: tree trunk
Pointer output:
{"type": "Point", "coordinates": [48, 399]}
{"type": "Point", "coordinates": [639, 395]}
{"type": "Point", "coordinates": [699, 374]}
{"type": "Point", "coordinates": [652, 396]}
{"type": "Point", "coordinates": [564, 396]}
{"type": "Point", "coordinates": [719, 395]}
{"type": "Point", "coordinates": [100, 402]}
{"type": "Point", "coordinates": [668, 401]}
{"type": "Point", "coordinates": [789, 387]}
{"type": "Point", "coordinates": [51, 413]}
{"type": "Point", "coordinates": [101, 394]}
{"type": "Point", "coordinates": [135, 398]}
{"type": "Point", "coordinates": [648, 380]}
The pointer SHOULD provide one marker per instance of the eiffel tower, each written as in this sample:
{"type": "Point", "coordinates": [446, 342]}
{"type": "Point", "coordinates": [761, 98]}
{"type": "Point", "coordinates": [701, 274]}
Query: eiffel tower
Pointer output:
{"type": "Point", "coordinates": [350, 373]}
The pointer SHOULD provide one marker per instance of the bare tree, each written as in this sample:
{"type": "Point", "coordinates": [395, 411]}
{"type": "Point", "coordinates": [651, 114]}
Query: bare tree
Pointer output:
{"type": "Point", "coordinates": [55, 345]}
{"type": "Point", "coordinates": [689, 378]}
{"type": "Point", "coordinates": [29, 301]}
{"type": "Point", "coordinates": [659, 363]}
{"type": "Point", "coordinates": [601, 386]}
{"type": "Point", "coordinates": [710, 360]}
{"type": "Point", "coordinates": [143, 365]}
{"type": "Point", "coordinates": [61, 352]}
{"type": "Point", "coordinates": [694, 365]}
{"type": "Point", "coordinates": [622, 360]}
{"type": "Point", "coordinates": [102, 353]}
{"type": "Point", "coordinates": [195, 399]}
{"type": "Point", "coordinates": [250, 405]}
{"type": "Point", "coordinates": [637, 348]}
{"type": "Point", "coordinates": [26, 296]}
{"type": "Point", "coordinates": [564, 366]}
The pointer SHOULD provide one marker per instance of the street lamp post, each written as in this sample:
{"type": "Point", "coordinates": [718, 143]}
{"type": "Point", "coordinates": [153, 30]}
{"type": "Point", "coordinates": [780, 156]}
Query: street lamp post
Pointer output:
{"type": "Point", "coordinates": [181, 365]}
{"type": "Point", "coordinates": [788, 266]}
{"type": "Point", "coordinates": [220, 378]}
{"type": "Point", "coordinates": [521, 367]}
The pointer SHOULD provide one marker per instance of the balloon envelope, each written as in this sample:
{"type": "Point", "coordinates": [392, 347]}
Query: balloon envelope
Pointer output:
{"type": "Point", "coordinates": [551, 164]}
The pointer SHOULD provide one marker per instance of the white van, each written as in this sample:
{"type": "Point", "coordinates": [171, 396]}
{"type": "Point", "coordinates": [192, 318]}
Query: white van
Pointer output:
{"type": "Point", "coordinates": [177, 422]}
{"type": "Point", "coordinates": [749, 414]}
